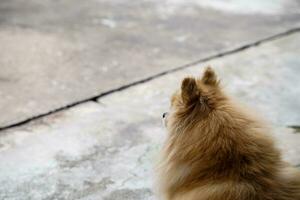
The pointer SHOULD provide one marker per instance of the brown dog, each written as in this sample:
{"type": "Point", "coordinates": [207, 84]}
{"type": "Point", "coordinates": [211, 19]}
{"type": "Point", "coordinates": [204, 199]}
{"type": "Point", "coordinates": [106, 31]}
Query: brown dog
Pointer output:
{"type": "Point", "coordinates": [216, 150]}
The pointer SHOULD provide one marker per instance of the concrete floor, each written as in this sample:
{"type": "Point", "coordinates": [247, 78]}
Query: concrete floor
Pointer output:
{"type": "Point", "coordinates": [57, 53]}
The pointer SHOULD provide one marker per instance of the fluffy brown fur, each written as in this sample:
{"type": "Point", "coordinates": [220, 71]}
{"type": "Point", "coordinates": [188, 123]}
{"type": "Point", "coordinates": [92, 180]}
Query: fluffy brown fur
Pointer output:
{"type": "Point", "coordinates": [216, 150]}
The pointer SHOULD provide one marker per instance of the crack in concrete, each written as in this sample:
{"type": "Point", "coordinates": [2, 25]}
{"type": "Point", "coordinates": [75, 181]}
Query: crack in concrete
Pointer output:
{"type": "Point", "coordinates": [93, 187]}
{"type": "Point", "coordinates": [131, 172]}
{"type": "Point", "coordinates": [123, 87]}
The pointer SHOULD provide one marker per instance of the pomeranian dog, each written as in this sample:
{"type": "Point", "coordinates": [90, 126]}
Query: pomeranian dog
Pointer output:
{"type": "Point", "coordinates": [216, 150]}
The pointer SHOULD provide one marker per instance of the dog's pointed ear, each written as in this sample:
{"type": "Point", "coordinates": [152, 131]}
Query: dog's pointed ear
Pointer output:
{"type": "Point", "coordinates": [210, 77]}
{"type": "Point", "coordinates": [189, 90]}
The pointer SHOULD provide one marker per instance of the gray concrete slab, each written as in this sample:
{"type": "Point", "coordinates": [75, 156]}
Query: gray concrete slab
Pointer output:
{"type": "Point", "coordinates": [55, 53]}
{"type": "Point", "coordinates": [107, 150]}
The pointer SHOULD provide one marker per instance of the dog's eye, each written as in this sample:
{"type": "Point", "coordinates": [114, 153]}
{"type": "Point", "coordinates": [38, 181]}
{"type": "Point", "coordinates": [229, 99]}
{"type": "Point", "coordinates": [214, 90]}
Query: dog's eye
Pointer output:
{"type": "Point", "coordinates": [164, 115]}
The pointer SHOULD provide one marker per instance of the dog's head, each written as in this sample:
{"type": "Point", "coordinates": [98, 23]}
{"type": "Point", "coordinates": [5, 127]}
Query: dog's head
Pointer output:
{"type": "Point", "coordinates": [195, 101]}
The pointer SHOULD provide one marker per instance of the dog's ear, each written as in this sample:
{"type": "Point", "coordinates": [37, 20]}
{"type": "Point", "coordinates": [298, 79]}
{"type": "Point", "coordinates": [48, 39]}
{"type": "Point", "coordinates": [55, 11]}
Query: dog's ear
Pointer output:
{"type": "Point", "coordinates": [210, 77]}
{"type": "Point", "coordinates": [189, 90]}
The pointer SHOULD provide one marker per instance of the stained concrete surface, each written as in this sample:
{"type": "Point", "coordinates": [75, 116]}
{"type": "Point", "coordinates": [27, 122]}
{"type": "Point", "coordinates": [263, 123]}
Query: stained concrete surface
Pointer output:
{"type": "Point", "coordinates": [107, 149]}
{"type": "Point", "coordinates": [55, 53]}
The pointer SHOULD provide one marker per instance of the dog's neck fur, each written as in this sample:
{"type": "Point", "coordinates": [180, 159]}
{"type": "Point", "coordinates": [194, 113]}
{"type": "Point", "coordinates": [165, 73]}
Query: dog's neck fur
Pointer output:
{"type": "Point", "coordinates": [223, 147]}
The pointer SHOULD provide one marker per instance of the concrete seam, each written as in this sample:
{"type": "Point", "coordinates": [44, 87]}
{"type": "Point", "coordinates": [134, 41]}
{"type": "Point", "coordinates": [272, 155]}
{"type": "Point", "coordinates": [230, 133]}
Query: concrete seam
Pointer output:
{"type": "Point", "coordinates": [123, 87]}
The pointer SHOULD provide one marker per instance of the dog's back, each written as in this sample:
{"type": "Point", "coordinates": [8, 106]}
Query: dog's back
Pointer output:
{"type": "Point", "coordinates": [217, 151]}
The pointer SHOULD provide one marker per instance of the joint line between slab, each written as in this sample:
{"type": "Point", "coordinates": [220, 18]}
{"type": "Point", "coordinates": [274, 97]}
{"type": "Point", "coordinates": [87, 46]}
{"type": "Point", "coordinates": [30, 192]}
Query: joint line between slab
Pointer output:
{"type": "Point", "coordinates": [219, 55]}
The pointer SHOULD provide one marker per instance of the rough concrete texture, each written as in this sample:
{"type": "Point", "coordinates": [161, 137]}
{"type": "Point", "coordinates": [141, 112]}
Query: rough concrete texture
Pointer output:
{"type": "Point", "coordinates": [55, 53]}
{"type": "Point", "coordinates": [79, 154]}
{"type": "Point", "coordinates": [107, 149]}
